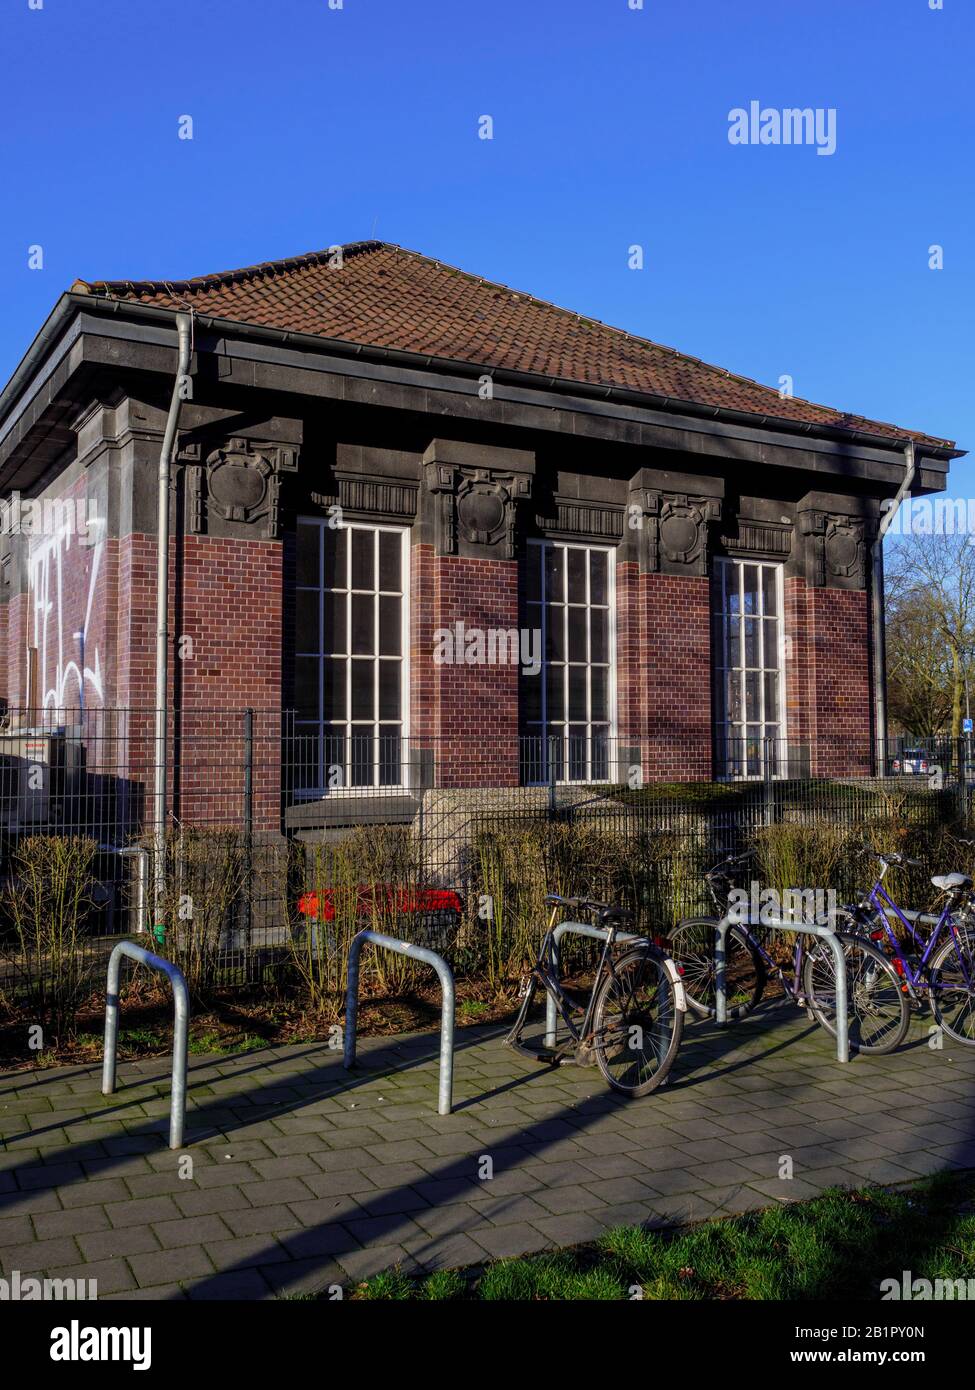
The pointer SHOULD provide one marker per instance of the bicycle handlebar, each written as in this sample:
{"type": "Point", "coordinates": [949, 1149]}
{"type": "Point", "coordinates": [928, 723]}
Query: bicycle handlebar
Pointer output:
{"type": "Point", "coordinates": [731, 862]}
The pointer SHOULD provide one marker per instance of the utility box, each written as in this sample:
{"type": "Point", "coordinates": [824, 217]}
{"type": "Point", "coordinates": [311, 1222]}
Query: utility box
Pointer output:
{"type": "Point", "coordinates": [31, 777]}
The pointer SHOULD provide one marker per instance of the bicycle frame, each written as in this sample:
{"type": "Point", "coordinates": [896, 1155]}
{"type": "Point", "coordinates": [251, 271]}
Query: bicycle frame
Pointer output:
{"type": "Point", "coordinates": [545, 973]}
{"type": "Point", "coordinates": [793, 988]}
{"type": "Point", "coordinates": [882, 903]}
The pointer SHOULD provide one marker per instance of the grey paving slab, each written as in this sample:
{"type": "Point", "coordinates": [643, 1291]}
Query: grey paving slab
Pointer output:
{"type": "Point", "coordinates": [306, 1177]}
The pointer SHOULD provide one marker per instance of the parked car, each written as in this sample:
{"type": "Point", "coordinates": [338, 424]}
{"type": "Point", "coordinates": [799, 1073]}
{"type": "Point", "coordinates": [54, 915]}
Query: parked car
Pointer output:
{"type": "Point", "coordinates": [912, 760]}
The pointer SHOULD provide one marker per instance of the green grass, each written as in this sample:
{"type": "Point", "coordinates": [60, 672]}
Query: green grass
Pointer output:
{"type": "Point", "coordinates": [137, 1038]}
{"type": "Point", "coordinates": [213, 1042]}
{"type": "Point", "coordinates": [840, 1245]}
{"type": "Point", "coordinates": [472, 1008]}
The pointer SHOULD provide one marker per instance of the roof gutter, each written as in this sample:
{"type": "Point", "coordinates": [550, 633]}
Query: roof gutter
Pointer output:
{"type": "Point", "coordinates": [879, 636]}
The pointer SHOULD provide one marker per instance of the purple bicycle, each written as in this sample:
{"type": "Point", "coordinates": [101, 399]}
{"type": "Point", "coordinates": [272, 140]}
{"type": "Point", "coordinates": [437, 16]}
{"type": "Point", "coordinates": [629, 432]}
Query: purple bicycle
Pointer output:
{"type": "Point", "coordinates": [939, 970]}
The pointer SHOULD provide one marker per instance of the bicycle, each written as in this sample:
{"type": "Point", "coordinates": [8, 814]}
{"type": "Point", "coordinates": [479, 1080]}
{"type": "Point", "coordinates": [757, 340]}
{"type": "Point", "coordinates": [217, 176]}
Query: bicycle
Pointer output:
{"type": "Point", "coordinates": [877, 1011]}
{"type": "Point", "coordinates": [632, 1022]}
{"type": "Point", "coordinates": [945, 976]}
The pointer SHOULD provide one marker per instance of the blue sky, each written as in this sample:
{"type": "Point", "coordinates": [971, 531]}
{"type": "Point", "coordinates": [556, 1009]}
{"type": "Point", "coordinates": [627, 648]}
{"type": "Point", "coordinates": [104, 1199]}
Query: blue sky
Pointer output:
{"type": "Point", "coordinates": [315, 125]}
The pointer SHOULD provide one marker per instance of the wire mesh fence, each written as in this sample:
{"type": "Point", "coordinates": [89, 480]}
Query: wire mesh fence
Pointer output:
{"type": "Point", "coordinates": [278, 843]}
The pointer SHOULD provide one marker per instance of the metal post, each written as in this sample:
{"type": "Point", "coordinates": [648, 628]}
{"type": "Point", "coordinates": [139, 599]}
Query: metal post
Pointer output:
{"type": "Point", "coordinates": [720, 956]}
{"type": "Point", "coordinates": [551, 770]}
{"type": "Point", "coordinates": [962, 782]}
{"type": "Point", "coordinates": [248, 820]}
{"type": "Point", "coordinates": [181, 1001]}
{"type": "Point", "coordinates": [767, 789]}
{"type": "Point", "coordinates": [405, 948]}
{"type": "Point", "coordinates": [741, 918]}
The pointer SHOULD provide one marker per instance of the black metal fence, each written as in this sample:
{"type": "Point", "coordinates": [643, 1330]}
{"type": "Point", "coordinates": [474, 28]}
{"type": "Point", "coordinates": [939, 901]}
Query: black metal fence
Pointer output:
{"type": "Point", "coordinates": [277, 841]}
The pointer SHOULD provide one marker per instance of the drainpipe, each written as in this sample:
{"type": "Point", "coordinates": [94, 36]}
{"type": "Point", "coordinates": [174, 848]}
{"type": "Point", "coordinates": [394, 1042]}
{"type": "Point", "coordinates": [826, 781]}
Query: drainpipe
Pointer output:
{"type": "Point", "coordinates": [877, 612]}
{"type": "Point", "coordinates": [184, 336]}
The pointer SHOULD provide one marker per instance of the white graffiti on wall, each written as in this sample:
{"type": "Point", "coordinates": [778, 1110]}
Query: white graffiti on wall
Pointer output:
{"type": "Point", "coordinates": [69, 668]}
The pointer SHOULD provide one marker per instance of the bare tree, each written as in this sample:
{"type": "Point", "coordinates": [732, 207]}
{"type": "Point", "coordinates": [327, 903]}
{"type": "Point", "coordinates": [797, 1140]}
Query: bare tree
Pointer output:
{"type": "Point", "coordinates": [930, 629]}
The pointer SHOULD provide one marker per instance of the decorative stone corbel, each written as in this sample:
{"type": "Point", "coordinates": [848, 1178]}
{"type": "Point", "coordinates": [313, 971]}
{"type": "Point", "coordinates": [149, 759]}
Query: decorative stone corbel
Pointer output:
{"type": "Point", "coordinates": [235, 489]}
{"type": "Point", "coordinates": [836, 549]}
{"type": "Point", "coordinates": [475, 503]}
{"type": "Point", "coordinates": [673, 528]}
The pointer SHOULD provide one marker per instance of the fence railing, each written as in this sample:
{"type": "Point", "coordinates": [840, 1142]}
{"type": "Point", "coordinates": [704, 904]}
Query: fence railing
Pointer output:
{"type": "Point", "coordinates": [281, 842]}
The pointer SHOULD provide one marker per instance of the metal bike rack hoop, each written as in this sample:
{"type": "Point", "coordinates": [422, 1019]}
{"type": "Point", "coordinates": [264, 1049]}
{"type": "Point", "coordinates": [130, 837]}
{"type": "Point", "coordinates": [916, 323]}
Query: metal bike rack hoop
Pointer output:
{"type": "Point", "coordinates": [741, 917]}
{"type": "Point", "coordinates": [181, 1001]}
{"type": "Point", "coordinates": [405, 948]}
{"type": "Point", "coordinates": [576, 929]}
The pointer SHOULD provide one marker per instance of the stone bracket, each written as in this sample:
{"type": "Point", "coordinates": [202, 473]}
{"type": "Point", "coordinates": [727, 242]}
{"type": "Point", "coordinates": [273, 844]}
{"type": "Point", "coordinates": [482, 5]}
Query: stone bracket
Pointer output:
{"type": "Point", "coordinates": [235, 489]}
{"type": "Point", "coordinates": [474, 494]}
{"type": "Point", "coordinates": [835, 549]}
{"type": "Point", "coordinates": [673, 530]}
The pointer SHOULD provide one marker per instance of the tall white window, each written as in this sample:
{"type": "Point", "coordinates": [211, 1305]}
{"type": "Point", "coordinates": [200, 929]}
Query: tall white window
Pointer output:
{"type": "Point", "coordinates": [568, 709]}
{"type": "Point", "coordinates": [749, 677]}
{"type": "Point", "coordinates": [351, 645]}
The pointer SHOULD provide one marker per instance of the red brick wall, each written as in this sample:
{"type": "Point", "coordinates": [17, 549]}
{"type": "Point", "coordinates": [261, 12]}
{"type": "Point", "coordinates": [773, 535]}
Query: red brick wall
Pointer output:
{"type": "Point", "coordinates": [225, 622]}
{"type": "Point", "coordinates": [842, 688]}
{"type": "Point", "coordinates": [676, 663]}
{"type": "Point", "coordinates": [15, 646]}
{"type": "Point", "coordinates": [468, 714]}
{"type": "Point", "coordinates": [71, 588]}
{"type": "Point", "coordinates": [631, 654]}
{"type": "Point", "coordinates": [828, 682]}
{"type": "Point", "coordinates": [228, 598]}
{"type": "Point", "coordinates": [663, 673]}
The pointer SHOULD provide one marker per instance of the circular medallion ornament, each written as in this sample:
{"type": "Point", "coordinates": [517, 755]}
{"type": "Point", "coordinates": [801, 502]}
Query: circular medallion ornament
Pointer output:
{"type": "Point", "coordinates": [482, 511]}
{"type": "Point", "coordinates": [680, 533]}
{"type": "Point", "coordinates": [236, 485]}
{"type": "Point", "coordinates": [842, 551]}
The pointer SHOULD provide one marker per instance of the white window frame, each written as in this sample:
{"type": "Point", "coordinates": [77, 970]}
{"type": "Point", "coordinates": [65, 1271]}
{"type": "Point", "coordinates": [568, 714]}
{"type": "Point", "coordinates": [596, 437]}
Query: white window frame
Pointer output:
{"type": "Point", "coordinates": [611, 720]}
{"type": "Point", "coordinates": [724, 729]}
{"type": "Point", "coordinates": [348, 723]}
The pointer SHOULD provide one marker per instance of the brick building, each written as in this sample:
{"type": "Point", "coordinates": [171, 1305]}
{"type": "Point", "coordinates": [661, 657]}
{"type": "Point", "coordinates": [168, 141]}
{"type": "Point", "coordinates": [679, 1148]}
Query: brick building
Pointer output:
{"type": "Point", "coordinates": [452, 530]}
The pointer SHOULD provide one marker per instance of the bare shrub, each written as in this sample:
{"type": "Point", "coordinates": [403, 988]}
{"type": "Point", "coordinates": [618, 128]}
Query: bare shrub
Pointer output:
{"type": "Point", "coordinates": [47, 902]}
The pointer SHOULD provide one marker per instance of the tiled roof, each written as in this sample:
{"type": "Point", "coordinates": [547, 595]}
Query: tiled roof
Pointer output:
{"type": "Point", "coordinates": [385, 297]}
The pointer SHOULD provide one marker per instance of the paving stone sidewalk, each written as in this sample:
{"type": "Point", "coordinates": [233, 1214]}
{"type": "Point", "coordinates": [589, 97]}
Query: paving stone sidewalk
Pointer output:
{"type": "Point", "coordinates": [305, 1176]}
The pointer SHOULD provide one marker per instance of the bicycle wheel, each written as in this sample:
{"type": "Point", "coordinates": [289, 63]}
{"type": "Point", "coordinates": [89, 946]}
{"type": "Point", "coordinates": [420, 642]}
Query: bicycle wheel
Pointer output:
{"type": "Point", "coordinates": [637, 1024]}
{"type": "Point", "coordinates": [877, 1008]}
{"type": "Point", "coordinates": [951, 979]}
{"type": "Point", "coordinates": [692, 947]}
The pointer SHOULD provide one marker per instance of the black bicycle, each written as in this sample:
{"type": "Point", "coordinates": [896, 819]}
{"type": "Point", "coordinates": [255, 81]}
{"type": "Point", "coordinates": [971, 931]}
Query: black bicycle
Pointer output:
{"type": "Point", "coordinates": [630, 1024]}
{"type": "Point", "coordinates": [877, 1009]}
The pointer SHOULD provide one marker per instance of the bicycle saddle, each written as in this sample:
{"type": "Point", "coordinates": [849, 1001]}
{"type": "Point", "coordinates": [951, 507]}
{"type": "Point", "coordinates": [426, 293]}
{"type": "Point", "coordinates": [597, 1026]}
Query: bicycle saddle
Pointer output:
{"type": "Point", "coordinates": [616, 917]}
{"type": "Point", "coordinates": [950, 883]}
{"type": "Point", "coordinates": [577, 904]}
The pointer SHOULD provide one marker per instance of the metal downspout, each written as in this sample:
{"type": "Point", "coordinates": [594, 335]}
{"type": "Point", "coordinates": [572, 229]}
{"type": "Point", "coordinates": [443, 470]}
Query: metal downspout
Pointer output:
{"type": "Point", "coordinates": [877, 611]}
{"type": "Point", "coordinates": [184, 336]}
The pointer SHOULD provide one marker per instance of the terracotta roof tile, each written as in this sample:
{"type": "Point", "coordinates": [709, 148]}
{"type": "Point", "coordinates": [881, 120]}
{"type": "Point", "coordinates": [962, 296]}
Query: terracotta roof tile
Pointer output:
{"type": "Point", "coordinates": [385, 297]}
